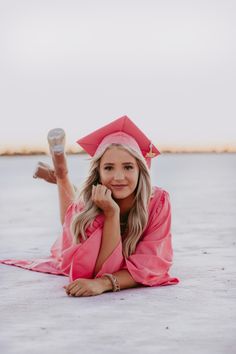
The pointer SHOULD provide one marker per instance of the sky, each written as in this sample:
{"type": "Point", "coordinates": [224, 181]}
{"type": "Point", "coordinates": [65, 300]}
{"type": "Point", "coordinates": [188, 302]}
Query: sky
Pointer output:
{"type": "Point", "coordinates": [170, 65]}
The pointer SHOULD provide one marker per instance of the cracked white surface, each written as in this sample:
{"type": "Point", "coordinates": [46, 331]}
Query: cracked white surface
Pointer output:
{"type": "Point", "coordinates": [196, 316]}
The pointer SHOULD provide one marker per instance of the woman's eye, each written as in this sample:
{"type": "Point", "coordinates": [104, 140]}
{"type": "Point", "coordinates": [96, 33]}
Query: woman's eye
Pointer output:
{"type": "Point", "coordinates": [109, 168]}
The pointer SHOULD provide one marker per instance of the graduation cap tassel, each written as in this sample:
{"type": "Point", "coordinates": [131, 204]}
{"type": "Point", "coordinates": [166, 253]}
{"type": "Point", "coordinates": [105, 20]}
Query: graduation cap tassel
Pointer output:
{"type": "Point", "coordinates": [150, 153]}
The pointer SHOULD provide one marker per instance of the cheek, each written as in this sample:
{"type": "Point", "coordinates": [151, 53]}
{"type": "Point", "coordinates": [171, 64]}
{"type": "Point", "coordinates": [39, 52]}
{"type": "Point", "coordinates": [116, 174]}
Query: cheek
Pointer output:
{"type": "Point", "coordinates": [135, 178]}
{"type": "Point", "coordinates": [103, 177]}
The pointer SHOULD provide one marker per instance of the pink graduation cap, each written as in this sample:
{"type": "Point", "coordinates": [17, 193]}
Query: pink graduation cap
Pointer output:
{"type": "Point", "coordinates": [120, 131]}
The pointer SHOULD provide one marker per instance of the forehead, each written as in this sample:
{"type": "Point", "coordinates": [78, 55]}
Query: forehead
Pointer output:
{"type": "Point", "coordinates": [115, 154]}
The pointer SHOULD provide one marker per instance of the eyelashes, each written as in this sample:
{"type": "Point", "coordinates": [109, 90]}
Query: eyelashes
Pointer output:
{"type": "Point", "coordinates": [128, 167]}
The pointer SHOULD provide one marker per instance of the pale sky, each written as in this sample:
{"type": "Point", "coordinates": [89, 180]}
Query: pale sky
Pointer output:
{"type": "Point", "coordinates": [170, 65]}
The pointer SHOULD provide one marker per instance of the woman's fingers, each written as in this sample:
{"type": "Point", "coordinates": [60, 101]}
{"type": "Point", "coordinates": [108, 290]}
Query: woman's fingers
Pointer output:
{"type": "Point", "coordinates": [100, 189]}
{"type": "Point", "coordinates": [75, 289]}
{"type": "Point", "coordinates": [78, 290]}
{"type": "Point", "coordinates": [102, 197]}
{"type": "Point", "coordinates": [81, 292]}
{"type": "Point", "coordinates": [72, 286]}
{"type": "Point", "coordinates": [99, 192]}
{"type": "Point", "coordinates": [108, 193]}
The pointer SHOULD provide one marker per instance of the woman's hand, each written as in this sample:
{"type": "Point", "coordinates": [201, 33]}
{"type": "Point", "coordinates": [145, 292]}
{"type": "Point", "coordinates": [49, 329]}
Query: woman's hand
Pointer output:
{"type": "Point", "coordinates": [101, 196]}
{"type": "Point", "coordinates": [86, 287]}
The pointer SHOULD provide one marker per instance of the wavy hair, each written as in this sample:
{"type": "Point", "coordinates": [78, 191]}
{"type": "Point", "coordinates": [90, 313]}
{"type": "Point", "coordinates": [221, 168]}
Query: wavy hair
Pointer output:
{"type": "Point", "coordinates": [138, 215]}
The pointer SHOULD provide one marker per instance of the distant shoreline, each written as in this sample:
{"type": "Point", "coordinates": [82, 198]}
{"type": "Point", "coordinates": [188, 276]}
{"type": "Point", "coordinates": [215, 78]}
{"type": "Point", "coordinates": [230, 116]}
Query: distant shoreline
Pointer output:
{"type": "Point", "coordinates": [164, 151]}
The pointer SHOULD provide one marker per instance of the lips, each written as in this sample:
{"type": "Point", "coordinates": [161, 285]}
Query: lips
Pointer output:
{"type": "Point", "coordinates": [119, 186]}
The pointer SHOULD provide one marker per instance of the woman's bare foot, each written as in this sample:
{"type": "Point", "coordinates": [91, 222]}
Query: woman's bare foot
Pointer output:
{"type": "Point", "coordinates": [44, 171]}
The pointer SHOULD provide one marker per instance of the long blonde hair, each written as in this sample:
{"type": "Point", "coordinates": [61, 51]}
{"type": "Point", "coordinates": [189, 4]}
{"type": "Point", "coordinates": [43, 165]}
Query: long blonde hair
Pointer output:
{"type": "Point", "coordinates": [138, 215]}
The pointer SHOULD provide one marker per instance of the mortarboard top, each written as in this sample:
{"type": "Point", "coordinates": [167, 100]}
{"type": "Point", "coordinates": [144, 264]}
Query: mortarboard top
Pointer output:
{"type": "Point", "coordinates": [123, 131]}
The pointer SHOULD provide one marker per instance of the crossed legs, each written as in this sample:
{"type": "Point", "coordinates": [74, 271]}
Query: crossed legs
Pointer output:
{"type": "Point", "coordinates": [59, 174]}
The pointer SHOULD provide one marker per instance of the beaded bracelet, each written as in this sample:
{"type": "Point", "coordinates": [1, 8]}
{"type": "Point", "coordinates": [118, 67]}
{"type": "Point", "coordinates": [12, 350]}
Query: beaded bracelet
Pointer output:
{"type": "Point", "coordinates": [114, 280]}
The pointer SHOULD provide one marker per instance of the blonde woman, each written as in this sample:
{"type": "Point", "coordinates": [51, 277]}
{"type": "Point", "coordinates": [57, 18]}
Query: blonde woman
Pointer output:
{"type": "Point", "coordinates": [117, 228]}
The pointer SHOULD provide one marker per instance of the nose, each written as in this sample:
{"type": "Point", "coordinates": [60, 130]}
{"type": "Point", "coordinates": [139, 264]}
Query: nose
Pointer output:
{"type": "Point", "coordinates": [119, 175]}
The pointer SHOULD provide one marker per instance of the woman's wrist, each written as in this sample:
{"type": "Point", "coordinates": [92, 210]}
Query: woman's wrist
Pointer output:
{"type": "Point", "coordinates": [106, 283]}
{"type": "Point", "coordinates": [112, 213]}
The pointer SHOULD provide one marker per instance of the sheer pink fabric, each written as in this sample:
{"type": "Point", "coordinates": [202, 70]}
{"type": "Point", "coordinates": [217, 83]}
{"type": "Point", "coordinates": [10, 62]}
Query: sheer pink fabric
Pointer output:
{"type": "Point", "coordinates": [148, 265]}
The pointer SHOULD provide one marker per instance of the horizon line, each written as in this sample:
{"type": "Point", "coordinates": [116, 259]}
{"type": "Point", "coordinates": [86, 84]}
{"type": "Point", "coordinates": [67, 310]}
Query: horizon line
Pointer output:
{"type": "Point", "coordinates": [26, 151]}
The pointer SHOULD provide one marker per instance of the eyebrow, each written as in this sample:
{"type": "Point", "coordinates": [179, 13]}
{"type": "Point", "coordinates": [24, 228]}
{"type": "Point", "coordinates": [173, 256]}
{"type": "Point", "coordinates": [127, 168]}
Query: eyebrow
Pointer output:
{"type": "Point", "coordinates": [123, 163]}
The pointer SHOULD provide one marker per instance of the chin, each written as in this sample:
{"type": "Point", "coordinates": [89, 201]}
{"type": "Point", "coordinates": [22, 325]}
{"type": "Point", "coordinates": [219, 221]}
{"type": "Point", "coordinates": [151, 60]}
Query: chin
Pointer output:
{"type": "Point", "coordinates": [120, 195]}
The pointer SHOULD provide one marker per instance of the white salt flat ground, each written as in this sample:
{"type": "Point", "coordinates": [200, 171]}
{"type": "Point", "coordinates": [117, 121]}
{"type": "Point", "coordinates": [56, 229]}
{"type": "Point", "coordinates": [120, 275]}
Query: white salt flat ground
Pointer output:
{"type": "Point", "coordinates": [196, 316]}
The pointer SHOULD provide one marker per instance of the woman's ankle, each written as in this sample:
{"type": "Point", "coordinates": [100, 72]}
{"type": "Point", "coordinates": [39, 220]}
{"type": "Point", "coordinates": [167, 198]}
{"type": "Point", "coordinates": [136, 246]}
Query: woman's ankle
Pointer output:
{"type": "Point", "coordinates": [60, 165]}
{"type": "Point", "coordinates": [56, 141]}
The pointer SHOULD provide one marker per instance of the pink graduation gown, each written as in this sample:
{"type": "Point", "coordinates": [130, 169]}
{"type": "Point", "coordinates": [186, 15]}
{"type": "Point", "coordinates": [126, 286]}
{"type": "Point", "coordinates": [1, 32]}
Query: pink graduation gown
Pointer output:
{"type": "Point", "coordinates": [148, 265]}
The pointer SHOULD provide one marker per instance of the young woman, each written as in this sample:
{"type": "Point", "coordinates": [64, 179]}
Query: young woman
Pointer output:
{"type": "Point", "coordinates": [117, 228]}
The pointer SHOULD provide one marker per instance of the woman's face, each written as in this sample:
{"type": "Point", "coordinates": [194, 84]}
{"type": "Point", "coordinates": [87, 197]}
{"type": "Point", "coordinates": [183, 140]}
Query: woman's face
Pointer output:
{"type": "Point", "coordinates": [119, 172]}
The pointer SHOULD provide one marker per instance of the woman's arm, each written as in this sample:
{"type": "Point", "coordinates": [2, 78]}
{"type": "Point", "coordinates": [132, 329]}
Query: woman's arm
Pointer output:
{"type": "Point", "coordinates": [110, 238]}
{"type": "Point", "coordinates": [91, 287]}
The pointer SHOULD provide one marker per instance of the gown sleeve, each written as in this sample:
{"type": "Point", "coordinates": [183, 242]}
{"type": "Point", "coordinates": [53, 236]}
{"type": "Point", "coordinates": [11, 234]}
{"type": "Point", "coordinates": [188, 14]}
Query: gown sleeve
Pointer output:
{"type": "Point", "coordinates": [150, 263]}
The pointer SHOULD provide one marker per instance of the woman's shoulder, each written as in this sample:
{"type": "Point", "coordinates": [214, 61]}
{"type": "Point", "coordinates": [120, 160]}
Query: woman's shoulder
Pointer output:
{"type": "Point", "coordinates": [159, 198]}
{"type": "Point", "coordinates": [158, 193]}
